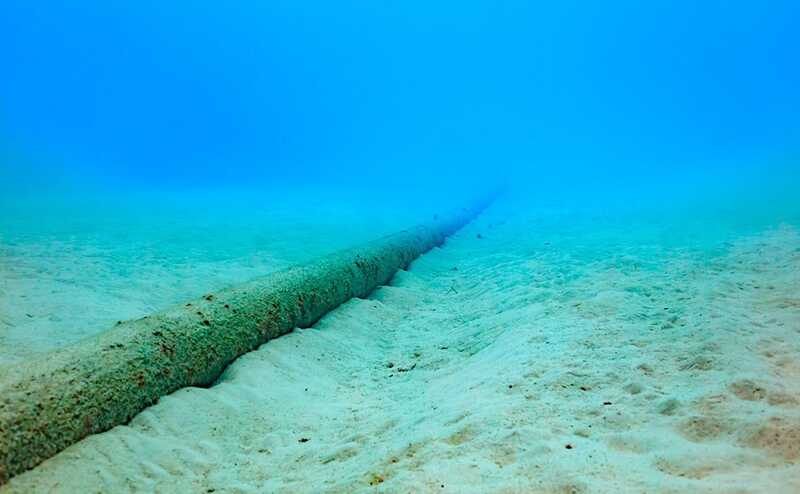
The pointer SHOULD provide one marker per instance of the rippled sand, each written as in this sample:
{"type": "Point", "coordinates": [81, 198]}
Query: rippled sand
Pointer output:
{"type": "Point", "coordinates": [535, 352]}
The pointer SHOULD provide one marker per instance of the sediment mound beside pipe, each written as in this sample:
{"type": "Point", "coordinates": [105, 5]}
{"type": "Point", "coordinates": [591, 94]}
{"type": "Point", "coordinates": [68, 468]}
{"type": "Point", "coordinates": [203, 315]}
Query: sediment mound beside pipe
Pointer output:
{"type": "Point", "coordinates": [55, 401]}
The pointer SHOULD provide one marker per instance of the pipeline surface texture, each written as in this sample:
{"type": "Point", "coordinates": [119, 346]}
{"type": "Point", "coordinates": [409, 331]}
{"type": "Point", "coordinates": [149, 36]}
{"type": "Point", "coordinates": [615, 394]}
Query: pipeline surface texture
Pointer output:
{"type": "Point", "coordinates": [52, 402]}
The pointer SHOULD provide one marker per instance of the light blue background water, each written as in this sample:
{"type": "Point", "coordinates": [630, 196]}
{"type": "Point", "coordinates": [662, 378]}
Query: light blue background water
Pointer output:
{"type": "Point", "coordinates": [584, 97]}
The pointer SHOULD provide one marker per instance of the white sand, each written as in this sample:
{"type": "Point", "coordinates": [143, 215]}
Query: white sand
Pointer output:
{"type": "Point", "coordinates": [70, 269]}
{"type": "Point", "coordinates": [556, 353]}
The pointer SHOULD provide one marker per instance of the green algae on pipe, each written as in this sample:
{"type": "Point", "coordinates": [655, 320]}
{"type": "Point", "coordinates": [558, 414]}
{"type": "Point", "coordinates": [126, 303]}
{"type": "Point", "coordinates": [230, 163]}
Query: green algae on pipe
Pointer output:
{"type": "Point", "coordinates": [52, 402]}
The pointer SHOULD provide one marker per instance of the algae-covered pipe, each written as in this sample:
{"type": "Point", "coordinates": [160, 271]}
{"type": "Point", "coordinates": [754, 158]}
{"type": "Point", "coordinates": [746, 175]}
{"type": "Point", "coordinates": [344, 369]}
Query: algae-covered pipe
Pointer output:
{"type": "Point", "coordinates": [103, 381]}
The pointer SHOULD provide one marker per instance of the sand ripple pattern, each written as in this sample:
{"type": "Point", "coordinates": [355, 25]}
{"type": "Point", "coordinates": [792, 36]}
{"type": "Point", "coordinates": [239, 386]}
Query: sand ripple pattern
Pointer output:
{"type": "Point", "coordinates": [532, 353]}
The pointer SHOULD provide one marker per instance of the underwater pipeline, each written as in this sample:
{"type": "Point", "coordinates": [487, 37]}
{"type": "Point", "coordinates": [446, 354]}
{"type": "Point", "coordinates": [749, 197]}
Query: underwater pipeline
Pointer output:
{"type": "Point", "coordinates": [54, 401]}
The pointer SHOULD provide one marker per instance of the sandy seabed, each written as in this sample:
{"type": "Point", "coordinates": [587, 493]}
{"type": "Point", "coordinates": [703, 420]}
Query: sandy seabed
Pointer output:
{"type": "Point", "coordinates": [71, 269]}
{"type": "Point", "coordinates": [543, 351]}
